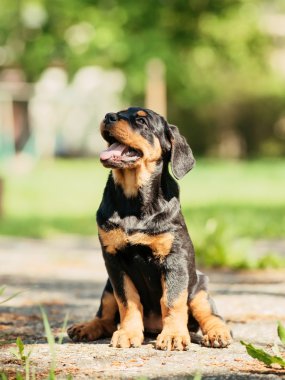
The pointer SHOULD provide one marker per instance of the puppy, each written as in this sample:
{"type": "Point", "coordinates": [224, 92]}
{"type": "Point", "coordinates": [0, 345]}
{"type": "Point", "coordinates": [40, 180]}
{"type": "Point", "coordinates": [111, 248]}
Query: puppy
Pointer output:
{"type": "Point", "coordinates": [153, 284]}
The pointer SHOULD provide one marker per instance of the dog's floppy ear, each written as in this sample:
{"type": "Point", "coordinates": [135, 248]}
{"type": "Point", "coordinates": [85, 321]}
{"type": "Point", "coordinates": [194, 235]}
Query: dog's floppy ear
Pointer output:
{"type": "Point", "coordinates": [182, 159]}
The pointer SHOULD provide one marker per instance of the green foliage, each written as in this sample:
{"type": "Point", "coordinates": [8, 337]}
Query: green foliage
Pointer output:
{"type": "Point", "coordinates": [265, 357]}
{"type": "Point", "coordinates": [215, 52]}
{"type": "Point", "coordinates": [51, 342]}
{"type": "Point", "coordinates": [212, 249]}
{"type": "Point", "coordinates": [270, 260]}
{"type": "Point", "coordinates": [226, 204]}
{"type": "Point", "coordinates": [20, 377]}
{"type": "Point", "coordinates": [2, 290]}
{"type": "Point", "coordinates": [217, 248]}
{"type": "Point", "coordinates": [20, 352]}
{"type": "Point", "coordinates": [24, 357]}
{"type": "Point", "coordinates": [203, 35]}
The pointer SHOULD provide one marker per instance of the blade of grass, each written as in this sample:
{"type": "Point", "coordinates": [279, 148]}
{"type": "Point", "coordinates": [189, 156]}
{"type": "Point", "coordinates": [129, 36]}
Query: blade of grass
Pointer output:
{"type": "Point", "coordinates": [33, 374]}
{"type": "Point", "coordinates": [281, 332]}
{"type": "Point", "coordinates": [60, 339]}
{"type": "Point", "coordinates": [49, 334]}
{"type": "Point", "coordinates": [2, 290]}
{"type": "Point", "coordinates": [11, 297]}
{"type": "Point", "coordinates": [27, 368]}
{"type": "Point", "coordinates": [51, 341]}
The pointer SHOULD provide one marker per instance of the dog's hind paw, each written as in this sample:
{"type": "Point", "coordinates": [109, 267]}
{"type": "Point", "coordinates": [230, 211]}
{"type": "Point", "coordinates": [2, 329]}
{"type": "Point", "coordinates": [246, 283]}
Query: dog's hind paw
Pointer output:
{"type": "Point", "coordinates": [217, 337]}
{"type": "Point", "coordinates": [87, 332]}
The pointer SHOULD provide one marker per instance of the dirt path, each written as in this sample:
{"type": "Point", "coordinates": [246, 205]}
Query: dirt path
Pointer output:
{"type": "Point", "coordinates": [67, 276]}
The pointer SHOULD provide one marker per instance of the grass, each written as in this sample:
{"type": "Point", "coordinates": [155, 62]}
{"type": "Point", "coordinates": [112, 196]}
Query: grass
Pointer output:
{"type": "Point", "coordinates": [224, 200]}
{"type": "Point", "coordinates": [21, 354]}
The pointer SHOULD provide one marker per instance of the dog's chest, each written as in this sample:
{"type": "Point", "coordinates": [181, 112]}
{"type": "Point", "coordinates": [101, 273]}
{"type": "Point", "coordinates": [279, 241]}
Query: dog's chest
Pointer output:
{"type": "Point", "coordinates": [117, 239]}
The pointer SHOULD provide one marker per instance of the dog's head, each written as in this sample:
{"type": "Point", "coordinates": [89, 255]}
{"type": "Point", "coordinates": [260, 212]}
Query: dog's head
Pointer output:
{"type": "Point", "coordinates": [138, 137]}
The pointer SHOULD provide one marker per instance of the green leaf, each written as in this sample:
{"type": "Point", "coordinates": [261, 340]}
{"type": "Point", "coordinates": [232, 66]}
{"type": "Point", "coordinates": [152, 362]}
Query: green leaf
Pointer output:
{"type": "Point", "coordinates": [281, 332]}
{"type": "Point", "coordinates": [263, 356]}
{"type": "Point", "coordinates": [20, 346]}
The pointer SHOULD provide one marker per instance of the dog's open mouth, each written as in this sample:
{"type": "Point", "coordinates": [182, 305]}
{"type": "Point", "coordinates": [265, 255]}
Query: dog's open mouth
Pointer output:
{"type": "Point", "coordinates": [120, 153]}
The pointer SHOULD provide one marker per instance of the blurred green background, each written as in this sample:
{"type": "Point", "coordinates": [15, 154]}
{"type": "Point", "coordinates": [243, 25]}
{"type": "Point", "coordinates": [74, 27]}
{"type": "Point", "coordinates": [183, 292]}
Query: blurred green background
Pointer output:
{"type": "Point", "coordinates": [223, 73]}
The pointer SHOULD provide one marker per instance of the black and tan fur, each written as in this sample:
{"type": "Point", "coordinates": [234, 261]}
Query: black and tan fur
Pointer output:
{"type": "Point", "coordinates": [153, 284]}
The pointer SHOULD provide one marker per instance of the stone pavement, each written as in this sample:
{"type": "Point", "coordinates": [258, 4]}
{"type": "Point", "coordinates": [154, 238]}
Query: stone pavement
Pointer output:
{"type": "Point", "coordinates": [67, 276]}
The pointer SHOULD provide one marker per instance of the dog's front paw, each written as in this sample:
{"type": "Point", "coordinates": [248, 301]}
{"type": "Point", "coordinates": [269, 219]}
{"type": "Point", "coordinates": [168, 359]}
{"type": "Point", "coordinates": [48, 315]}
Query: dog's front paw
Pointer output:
{"type": "Point", "coordinates": [85, 332]}
{"type": "Point", "coordinates": [124, 339]}
{"type": "Point", "coordinates": [217, 337]}
{"type": "Point", "coordinates": [169, 341]}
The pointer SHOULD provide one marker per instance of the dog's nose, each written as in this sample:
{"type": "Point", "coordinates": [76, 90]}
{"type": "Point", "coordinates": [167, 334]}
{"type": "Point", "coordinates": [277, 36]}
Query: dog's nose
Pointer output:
{"type": "Point", "coordinates": [111, 118]}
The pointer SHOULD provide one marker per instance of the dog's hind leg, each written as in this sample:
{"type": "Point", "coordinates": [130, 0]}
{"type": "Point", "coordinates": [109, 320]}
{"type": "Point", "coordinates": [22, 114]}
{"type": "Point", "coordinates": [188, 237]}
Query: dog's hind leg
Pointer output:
{"type": "Point", "coordinates": [215, 331]}
{"type": "Point", "coordinates": [103, 325]}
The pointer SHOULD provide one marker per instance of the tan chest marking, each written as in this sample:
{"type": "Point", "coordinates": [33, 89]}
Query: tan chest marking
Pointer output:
{"type": "Point", "coordinates": [112, 240]}
{"type": "Point", "coordinates": [117, 239]}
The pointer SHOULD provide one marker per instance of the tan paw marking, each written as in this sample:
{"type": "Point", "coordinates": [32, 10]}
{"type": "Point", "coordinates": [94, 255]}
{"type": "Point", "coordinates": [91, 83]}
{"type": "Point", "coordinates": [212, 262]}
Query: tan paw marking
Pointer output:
{"type": "Point", "coordinates": [125, 339]}
{"type": "Point", "coordinates": [218, 337]}
{"type": "Point", "coordinates": [168, 341]}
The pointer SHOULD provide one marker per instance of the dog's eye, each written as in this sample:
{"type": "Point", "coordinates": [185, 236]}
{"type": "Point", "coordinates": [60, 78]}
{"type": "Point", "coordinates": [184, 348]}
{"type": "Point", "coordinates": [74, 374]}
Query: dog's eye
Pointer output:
{"type": "Point", "coordinates": [141, 120]}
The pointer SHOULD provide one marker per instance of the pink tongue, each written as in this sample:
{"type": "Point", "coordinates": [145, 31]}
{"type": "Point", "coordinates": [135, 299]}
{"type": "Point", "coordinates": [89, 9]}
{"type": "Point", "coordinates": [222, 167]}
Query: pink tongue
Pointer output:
{"type": "Point", "coordinates": [115, 149]}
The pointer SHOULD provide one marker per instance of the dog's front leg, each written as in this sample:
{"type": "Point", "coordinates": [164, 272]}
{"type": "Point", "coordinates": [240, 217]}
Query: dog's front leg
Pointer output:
{"type": "Point", "coordinates": [130, 331]}
{"type": "Point", "coordinates": [175, 334]}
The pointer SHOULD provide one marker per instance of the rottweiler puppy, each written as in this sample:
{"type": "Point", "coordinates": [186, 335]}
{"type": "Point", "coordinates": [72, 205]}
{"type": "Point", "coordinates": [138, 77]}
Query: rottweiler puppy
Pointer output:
{"type": "Point", "coordinates": [153, 285]}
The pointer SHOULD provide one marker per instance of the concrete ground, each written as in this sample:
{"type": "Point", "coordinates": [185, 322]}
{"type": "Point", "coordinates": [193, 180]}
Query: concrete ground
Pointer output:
{"type": "Point", "coordinates": [67, 276]}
